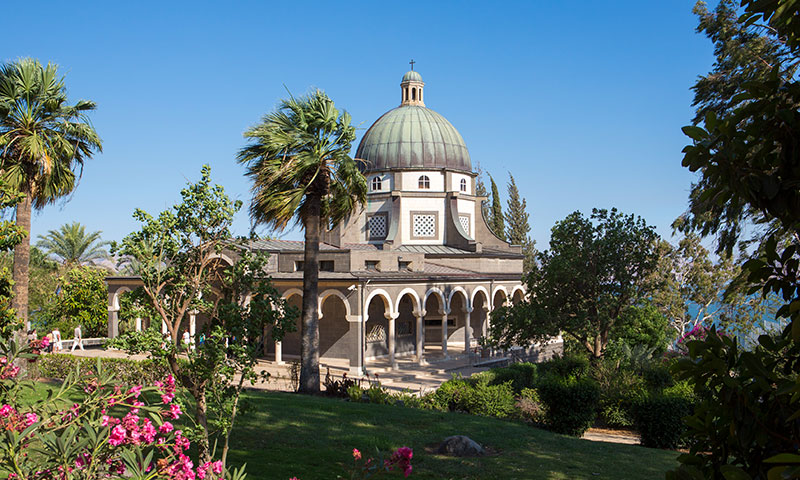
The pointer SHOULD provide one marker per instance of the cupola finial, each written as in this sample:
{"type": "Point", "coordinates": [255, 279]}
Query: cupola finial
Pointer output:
{"type": "Point", "coordinates": [411, 88]}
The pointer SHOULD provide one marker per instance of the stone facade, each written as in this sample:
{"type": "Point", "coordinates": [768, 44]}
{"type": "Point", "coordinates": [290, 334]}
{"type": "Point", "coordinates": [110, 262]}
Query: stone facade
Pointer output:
{"type": "Point", "coordinates": [417, 266]}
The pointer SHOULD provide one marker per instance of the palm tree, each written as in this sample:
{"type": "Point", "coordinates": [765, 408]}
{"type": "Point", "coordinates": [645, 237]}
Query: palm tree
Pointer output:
{"type": "Point", "coordinates": [299, 161]}
{"type": "Point", "coordinates": [43, 142]}
{"type": "Point", "coordinates": [73, 245]}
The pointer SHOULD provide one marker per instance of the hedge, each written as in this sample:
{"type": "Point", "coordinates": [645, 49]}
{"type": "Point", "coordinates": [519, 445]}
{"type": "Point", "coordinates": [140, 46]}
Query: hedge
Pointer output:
{"type": "Point", "coordinates": [659, 419]}
{"type": "Point", "coordinates": [127, 371]}
{"type": "Point", "coordinates": [571, 404]}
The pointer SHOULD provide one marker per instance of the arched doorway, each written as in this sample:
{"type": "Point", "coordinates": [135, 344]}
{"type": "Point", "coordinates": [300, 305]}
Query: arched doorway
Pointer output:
{"type": "Point", "coordinates": [435, 329]}
{"type": "Point", "coordinates": [376, 331]}
{"type": "Point", "coordinates": [333, 327]}
{"type": "Point", "coordinates": [462, 334]}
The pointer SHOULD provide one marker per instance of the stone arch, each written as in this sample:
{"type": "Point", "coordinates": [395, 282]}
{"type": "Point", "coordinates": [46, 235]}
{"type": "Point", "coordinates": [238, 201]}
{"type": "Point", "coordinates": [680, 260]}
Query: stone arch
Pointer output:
{"type": "Point", "coordinates": [333, 326]}
{"type": "Point", "coordinates": [335, 293]}
{"type": "Point", "coordinates": [460, 310]}
{"type": "Point", "coordinates": [290, 345]}
{"type": "Point", "coordinates": [224, 257]}
{"type": "Point", "coordinates": [453, 292]}
{"type": "Point", "coordinates": [434, 291]}
{"type": "Point", "coordinates": [517, 294]}
{"type": "Point", "coordinates": [414, 295]}
{"type": "Point", "coordinates": [384, 295]}
{"type": "Point", "coordinates": [480, 312]}
{"type": "Point", "coordinates": [113, 298]}
{"type": "Point", "coordinates": [497, 290]}
{"type": "Point", "coordinates": [292, 291]}
{"type": "Point", "coordinates": [376, 323]}
{"type": "Point", "coordinates": [476, 291]}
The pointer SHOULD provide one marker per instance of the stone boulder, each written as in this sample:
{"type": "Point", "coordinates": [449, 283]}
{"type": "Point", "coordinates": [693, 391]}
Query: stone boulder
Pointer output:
{"type": "Point", "coordinates": [461, 446]}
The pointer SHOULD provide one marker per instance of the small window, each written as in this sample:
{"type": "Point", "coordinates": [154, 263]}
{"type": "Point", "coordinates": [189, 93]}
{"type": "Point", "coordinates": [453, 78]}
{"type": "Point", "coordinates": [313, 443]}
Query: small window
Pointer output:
{"type": "Point", "coordinates": [299, 265]}
{"type": "Point", "coordinates": [371, 265]}
{"type": "Point", "coordinates": [377, 226]}
{"type": "Point", "coordinates": [413, 94]}
{"type": "Point", "coordinates": [463, 184]}
{"type": "Point", "coordinates": [424, 182]}
{"type": "Point", "coordinates": [404, 266]}
{"type": "Point", "coordinates": [326, 266]}
{"type": "Point", "coordinates": [377, 184]}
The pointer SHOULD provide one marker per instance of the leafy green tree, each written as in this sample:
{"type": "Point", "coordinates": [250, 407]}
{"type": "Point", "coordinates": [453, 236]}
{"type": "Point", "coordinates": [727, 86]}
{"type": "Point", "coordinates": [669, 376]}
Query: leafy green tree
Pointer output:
{"type": "Point", "coordinates": [596, 269]}
{"type": "Point", "coordinates": [643, 325]}
{"type": "Point", "coordinates": [299, 161]}
{"type": "Point", "coordinates": [518, 225]}
{"type": "Point", "coordinates": [746, 158]}
{"type": "Point", "coordinates": [178, 258]}
{"type": "Point", "coordinates": [497, 226]}
{"type": "Point", "coordinates": [480, 191]}
{"type": "Point", "coordinates": [83, 300]}
{"type": "Point", "coordinates": [43, 141]}
{"type": "Point", "coordinates": [73, 245]}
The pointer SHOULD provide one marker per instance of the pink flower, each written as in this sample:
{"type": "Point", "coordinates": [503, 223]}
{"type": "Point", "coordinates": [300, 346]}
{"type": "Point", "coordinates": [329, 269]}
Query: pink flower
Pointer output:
{"type": "Point", "coordinates": [174, 411]}
{"type": "Point", "coordinates": [117, 436]}
{"type": "Point", "coordinates": [356, 454]}
{"type": "Point", "coordinates": [166, 427]}
{"type": "Point", "coordinates": [7, 410]}
{"type": "Point", "coordinates": [216, 467]}
{"type": "Point", "coordinates": [167, 397]}
{"type": "Point", "coordinates": [45, 342]}
{"type": "Point", "coordinates": [30, 419]}
{"type": "Point", "coordinates": [135, 391]}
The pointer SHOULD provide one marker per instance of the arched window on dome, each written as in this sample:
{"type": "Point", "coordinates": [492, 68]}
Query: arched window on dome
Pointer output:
{"type": "Point", "coordinates": [463, 184]}
{"type": "Point", "coordinates": [377, 184]}
{"type": "Point", "coordinates": [424, 182]}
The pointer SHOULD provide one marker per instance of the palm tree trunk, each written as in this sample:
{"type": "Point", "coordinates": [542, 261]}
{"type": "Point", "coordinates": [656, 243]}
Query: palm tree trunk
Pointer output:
{"type": "Point", "coordinates": [309, 346]}
{"type": "Point", "coordinates": [22, 258]}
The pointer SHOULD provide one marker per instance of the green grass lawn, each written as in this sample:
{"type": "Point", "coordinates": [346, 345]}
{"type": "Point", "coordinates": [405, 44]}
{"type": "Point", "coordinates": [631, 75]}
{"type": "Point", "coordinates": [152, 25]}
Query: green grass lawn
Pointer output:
{"type": "Point", "coordinates": [287, 435]}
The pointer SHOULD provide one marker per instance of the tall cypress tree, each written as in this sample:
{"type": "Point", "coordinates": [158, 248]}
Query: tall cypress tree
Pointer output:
{"type": "Point", "coordinates": [480, 191]}
{"type": "Point", "coordinates": [518, 225]}
{"type": "Point", "coordinates": [497, 225]}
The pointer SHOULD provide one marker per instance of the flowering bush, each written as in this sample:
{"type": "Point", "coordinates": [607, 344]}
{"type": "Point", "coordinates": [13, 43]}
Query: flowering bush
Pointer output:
{"type": "Point", "coordinates": [114, 432]}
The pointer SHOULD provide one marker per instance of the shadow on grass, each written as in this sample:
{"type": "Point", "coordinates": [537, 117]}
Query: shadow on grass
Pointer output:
{"type": "Point", "coordinates": [289, 435]}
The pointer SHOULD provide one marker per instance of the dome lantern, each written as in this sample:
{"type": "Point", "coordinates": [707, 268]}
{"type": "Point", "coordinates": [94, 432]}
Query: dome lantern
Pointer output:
{"type": "Point", "coordinates": [411, 88]}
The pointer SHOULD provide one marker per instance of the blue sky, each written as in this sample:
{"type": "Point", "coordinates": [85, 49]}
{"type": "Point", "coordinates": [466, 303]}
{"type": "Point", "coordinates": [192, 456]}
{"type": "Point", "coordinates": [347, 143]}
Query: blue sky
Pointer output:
{"type": "Point", "coordinates": [583, 103]}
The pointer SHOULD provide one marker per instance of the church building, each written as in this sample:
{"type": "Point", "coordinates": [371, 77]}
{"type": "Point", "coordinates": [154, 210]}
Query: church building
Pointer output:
{"type": "Point", "coordinates": [417, 271]}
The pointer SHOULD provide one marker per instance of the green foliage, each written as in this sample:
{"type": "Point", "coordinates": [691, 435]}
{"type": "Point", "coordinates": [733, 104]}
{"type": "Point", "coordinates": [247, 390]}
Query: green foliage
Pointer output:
{"type": "Point", "coordinates": [597, 268]}
{"type": "Point", "coordinates": [521, 376]}
{"type": "Point", "coordinates": [571, 403]}
{"type": "Point", "coordinates": [658, 419]}
{"type": "Point", "coordinates": [497, 225]}
{"type": "Point", "coordinates": [565, 367]}
{"type": "Point", "coordinates": [644, 325]}
{"type": "Point", "coordinates": [73, 245]}
{"type": "Point", "coordinates": [125, 370]}
{"type": "Point", "coordinates": [620, 387]}
{"type": "Point", "coordinates": [530, 406]}
{"type": "Point", "coordinates": [82, 301]}
{"type": "Point", "coordinates": [518, 225]}
{"type": "Point", "coordinates": [747, 392]}
{"type": "Point", "coordinates": [476, 397]}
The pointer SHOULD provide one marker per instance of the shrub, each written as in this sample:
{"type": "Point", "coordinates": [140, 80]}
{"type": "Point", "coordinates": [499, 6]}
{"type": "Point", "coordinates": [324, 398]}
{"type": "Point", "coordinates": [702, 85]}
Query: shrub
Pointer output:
{"type": "Point", "coordinates": [521, 376]}
{"type": "Point", "coordinates": [530, 406]}
{"type": "Point", "coordinates": [658, 377]}
{"type": "Point", "coordinates": [489, 400]}
{"type": "Point", "coordinates": [355, 393]}
{"type": "Point", "coordinates": [571, 403]}
{"type": "Point", "coordinates": [572, 366]}
{"type": "Point", "coordinates": [619, 389]}
{"type": "Point", "coordinates": [377, 394]}
{"type": "Point", "coordinates": [124, 370]}
{"type": "Point", "coordinates": [658, 419]}
{"type": "Point", "coordinates": [450, 394]}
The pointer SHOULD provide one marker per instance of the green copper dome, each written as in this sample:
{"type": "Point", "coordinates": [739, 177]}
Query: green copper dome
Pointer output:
{"type": "Point", "coordinates": [412, 76]}
{"type": "Point", "coordinates": [413, 137]}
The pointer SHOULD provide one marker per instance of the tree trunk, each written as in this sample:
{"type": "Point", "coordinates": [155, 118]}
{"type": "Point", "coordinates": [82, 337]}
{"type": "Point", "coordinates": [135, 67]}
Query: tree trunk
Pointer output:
{"type": "Point", "coordinates": [202, 418]}
{"type": "Point", "coordinates": [22, 258]}
{"type": "Point", "coordinates": [309, 346]}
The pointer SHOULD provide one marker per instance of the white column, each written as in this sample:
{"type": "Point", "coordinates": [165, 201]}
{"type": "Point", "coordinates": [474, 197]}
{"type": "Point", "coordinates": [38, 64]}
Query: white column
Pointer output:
{"type": "Point", "coordinates": [113, 322]}
{"type": "Point", "coordinates": [356, 355]}
{"type": "Point", "coordinates": [163, 327]}
{"type": "Point", "coordinates": [392, 317]}
{"type": "Point", "coordinates": [467, 339]}
{"type": "Point", "coordinates": [138, 324]}
{"type": "Point", "coordinates": [279, 353]}
{"type": "Point", "coordinates": [192, 324]}
{"type": "Point", "coordinates": [444, 332]}
{"type": "Point", "coordinates": [420, 316]}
